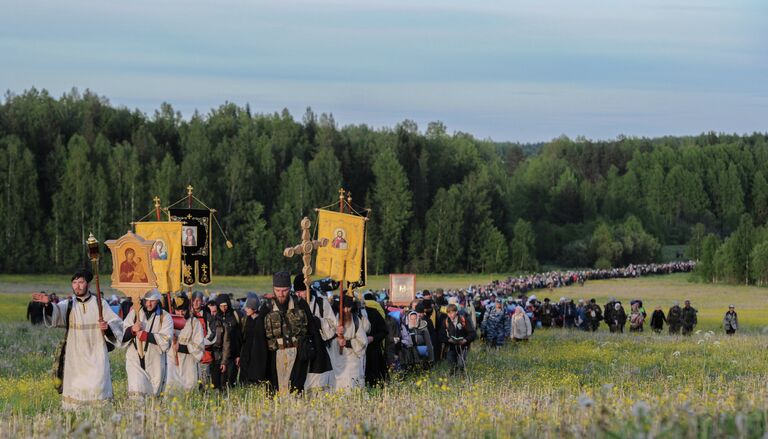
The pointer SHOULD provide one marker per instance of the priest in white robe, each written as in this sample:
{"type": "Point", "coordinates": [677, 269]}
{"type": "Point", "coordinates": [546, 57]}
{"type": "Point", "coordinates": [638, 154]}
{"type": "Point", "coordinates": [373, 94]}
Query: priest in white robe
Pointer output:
{"type": "Point", "coordinates": [154, 330]}
{"type": "Point", "coordinates": [348, 365]}
{"type": "Point", "coordinates": [87, 379]}
{"type": "Point", "coordinates": [186, 350]}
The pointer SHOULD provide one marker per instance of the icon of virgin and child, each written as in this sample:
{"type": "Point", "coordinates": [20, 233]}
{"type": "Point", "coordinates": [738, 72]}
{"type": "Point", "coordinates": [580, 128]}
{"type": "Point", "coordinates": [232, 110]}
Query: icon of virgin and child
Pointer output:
{"type": "Point", "coordinates": [133, 269]}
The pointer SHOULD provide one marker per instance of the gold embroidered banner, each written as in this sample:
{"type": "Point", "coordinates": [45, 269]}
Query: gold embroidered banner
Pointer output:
{"type": "Point", "coordinates": [166, 252]}
{"type": "Point", "coordinates": [345, 251]}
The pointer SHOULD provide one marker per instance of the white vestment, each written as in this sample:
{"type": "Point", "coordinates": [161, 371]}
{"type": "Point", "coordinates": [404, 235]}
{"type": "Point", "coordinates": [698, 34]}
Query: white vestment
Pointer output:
{"type": "Point", "coordinates": [327, 331]}
{"type": "Point", "coordinates": [348, 367]}
{"type": "Point", "coordinates": [87, 378]}
{"type": "Point", "coordinates": [184, 368]}
{"type": "Point", "coordinates": [150, 379]}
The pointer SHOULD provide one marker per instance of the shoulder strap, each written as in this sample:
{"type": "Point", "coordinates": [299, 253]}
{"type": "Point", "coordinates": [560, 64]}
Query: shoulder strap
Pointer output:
{"type": "Point", "coordinates": [70, 302]}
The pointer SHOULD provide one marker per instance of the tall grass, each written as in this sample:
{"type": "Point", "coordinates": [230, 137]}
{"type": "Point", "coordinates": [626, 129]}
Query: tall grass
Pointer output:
{"type": "Point", "coordinates": [560, 384]}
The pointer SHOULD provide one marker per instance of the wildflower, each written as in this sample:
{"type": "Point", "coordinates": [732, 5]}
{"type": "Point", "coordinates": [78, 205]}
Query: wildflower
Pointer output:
{"type": "Point", "coordinates": [585, 401]}
{"type": "Point", "coordinates": [640, 409]}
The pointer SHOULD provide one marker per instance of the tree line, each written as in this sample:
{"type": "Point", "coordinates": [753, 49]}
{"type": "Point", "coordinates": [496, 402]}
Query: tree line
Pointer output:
{"type": "Point", "coordinates": [441, 202]}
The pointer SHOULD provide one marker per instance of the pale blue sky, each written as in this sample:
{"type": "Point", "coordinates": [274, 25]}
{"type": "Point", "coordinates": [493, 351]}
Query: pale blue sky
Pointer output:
{"type": "Point", "coordinates": [508, 70]}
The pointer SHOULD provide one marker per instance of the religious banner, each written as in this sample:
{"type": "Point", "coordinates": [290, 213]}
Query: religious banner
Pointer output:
{"type": "Point", "coordinates": [402, 289]}
{"type": "Point", "coordinates": [131, 267]}
{"type": "Point", "coordinates": [195, 244]}
{"type": "Point", "coordinates": [166, 252]}
{"type": "Point", "coordinates": [344, 256]}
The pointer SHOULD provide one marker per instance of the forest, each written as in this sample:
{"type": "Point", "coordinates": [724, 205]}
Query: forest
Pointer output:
{"type": "Point", "coordinates": [440, 201]}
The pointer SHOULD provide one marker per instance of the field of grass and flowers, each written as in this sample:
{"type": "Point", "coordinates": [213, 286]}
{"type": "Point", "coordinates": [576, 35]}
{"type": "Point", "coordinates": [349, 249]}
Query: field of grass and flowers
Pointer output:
{"type": "Point", "coordinates": [561, 383]}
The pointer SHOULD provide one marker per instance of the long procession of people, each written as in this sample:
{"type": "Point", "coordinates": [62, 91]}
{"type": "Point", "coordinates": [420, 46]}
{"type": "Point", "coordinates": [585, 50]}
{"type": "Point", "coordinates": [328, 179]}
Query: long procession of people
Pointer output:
{"type": "Point", "coordinates": [291, 339]}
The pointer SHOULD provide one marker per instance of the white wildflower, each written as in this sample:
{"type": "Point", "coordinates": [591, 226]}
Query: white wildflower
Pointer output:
{"type": "Point", "coordinates": [640, 409]}
{"type": "Point", "coordinates": [585, 401]}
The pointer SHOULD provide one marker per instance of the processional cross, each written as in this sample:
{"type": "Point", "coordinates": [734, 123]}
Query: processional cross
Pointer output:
{"type": "Point", "coordinates": [306, 248]}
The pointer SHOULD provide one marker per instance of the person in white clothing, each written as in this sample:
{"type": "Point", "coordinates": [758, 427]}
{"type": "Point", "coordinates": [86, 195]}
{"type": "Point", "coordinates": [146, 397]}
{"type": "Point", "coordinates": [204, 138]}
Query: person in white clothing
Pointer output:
{"type": "Point", "coordinates": [147, 341]}
{"type": "Point", "coordinates": [84, 361]}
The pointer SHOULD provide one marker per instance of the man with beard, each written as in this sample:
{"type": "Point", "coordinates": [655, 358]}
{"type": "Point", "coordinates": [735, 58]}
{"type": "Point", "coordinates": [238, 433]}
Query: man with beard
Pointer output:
{"type": "Point", "coordinates": [153, 328]}
{"type": "Point", "coordinates": [287, 324]}
{"type": "Point", "coordinates": [348, 353]}
{"type": "Point", "coordinates": [84, 360]}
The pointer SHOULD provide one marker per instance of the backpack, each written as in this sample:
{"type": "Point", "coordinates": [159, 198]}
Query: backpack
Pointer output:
{"type": "Point", "coordinates": [60, 354]}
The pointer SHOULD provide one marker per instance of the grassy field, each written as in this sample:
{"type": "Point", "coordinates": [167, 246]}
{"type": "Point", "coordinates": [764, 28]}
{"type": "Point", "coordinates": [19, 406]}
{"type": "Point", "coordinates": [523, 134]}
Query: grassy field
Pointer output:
{"type": "Point", "coordinates": [560, 384]}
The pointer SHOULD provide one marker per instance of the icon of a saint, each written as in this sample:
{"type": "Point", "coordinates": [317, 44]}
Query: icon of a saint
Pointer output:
{"type": "Point", "coordinates": [339, 242]}
{"type": "Point", "coordinates": [189, 238]}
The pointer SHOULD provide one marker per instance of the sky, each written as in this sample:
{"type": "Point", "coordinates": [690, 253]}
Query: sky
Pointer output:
{"type": "Point", "coordinates": [521, 71]}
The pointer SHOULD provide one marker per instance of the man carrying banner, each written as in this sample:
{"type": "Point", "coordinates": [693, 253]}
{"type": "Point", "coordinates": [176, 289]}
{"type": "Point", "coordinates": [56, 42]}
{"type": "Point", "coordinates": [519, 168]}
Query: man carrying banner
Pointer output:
{"type": "Point", "coordinates": [84, 357]}
{"type": "Point", "coordinates": [348, 349]}
{"type": "Point", "coordinates": [154, 330]}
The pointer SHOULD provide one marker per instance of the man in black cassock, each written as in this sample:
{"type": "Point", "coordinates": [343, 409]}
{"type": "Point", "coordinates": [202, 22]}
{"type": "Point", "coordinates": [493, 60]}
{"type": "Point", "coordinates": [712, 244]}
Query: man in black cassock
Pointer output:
{"type": "Point", "coordinates": [287, 324]}
{"type": "Point", "coordinates": [253, 353]}
{"type": "Point", "coordinates": [375, 362]}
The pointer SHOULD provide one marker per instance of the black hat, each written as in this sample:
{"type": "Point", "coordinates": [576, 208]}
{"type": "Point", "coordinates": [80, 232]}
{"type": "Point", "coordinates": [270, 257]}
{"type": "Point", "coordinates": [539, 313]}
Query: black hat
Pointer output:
{"type": "Point", "coordinates": [281, 279]}
{"type": "Point", "coordinates": [84, 273]}
{"type": "Point", "coordinates": [298, 283]}
{"type": "Point", "coordinates": [223, 298]}
{"type": "Point", "coordinates": [349, 302]}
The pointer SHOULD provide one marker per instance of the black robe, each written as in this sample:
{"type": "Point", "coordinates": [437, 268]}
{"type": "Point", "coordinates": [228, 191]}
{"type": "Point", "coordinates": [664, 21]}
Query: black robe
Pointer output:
{"type": "Point", "coordinates": [375, 362]}
{"type": "Point", "coordinates": [322, 361]}
{"type": "Point", "coordinates": [253, 352]}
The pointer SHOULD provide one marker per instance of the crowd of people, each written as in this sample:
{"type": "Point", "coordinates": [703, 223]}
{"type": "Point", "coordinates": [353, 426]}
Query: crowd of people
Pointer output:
{"type": "Point", "coordinates": [300, 338]}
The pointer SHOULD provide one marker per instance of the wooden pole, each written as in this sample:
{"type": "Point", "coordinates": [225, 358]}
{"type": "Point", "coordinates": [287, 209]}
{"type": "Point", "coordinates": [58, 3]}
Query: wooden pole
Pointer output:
{"type": "Point", "coordinates": [340, 330]}
{"type": "Point", "coordinates": [157, 207]}
{"type": "Point", "coordinates": [93, 254]}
